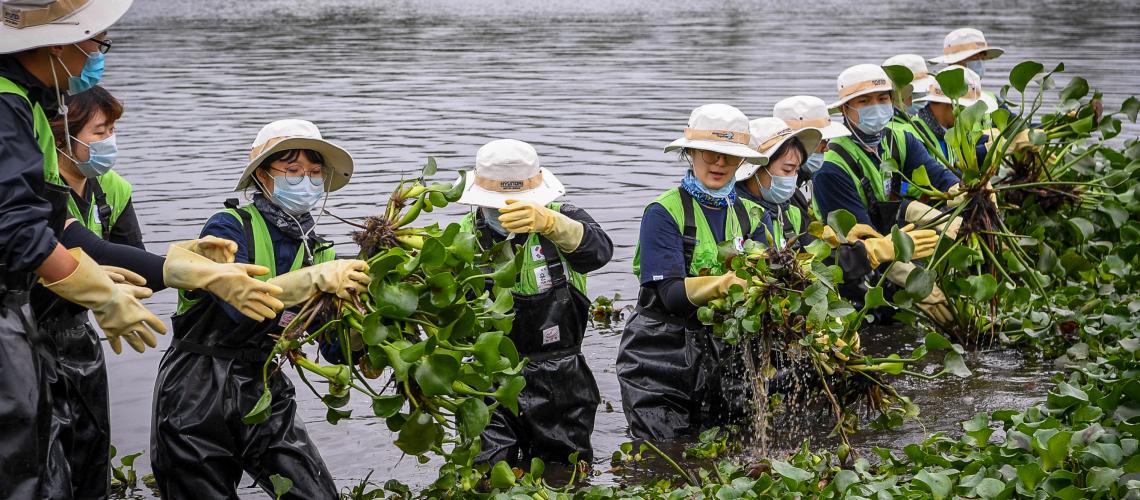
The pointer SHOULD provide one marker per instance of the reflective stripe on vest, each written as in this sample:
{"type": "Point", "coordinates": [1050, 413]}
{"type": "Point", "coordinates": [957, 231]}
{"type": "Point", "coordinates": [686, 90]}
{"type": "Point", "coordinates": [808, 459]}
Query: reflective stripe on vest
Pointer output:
{"type": "Point", "coordinates": [117, 192]}
{"type": "Point", "coordinates": [534, 262]}
{"type": "Point", "coordinates": [44, 137]}
{"type": "Point", "coordinates": [871, 170]}
{"type": "Point", "coordinates": [263, 251]}
{"type": "Point", "coordinates": [706, 251]}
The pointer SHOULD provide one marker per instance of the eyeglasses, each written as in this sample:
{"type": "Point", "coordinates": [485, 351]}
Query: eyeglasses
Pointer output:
{"type": "Point", "coordinates": [104, 44]}
{"type": "Point", "coordinates": [712, 157]}
{"type": "Point", "coordinates": [294, 175]}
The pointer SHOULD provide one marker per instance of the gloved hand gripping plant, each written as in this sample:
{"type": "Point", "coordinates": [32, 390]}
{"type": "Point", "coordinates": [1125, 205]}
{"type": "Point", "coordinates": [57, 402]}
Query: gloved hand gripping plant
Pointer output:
{"type": "Point", "coordinates": [432, 324]}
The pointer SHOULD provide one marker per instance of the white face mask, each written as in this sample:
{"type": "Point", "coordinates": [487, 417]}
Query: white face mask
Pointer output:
{"type": "Point", "coordinates": [491, 217]}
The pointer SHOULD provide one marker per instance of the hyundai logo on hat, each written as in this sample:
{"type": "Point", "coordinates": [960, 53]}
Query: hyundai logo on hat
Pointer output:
{"type": "Point", "coordinates": [724, 135]}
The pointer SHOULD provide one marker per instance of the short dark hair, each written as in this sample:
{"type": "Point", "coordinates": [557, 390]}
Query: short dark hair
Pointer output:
{"type": "Point", "coordinates": [81, 109]}
{"type": "Point", "coordinates": [792, 143]}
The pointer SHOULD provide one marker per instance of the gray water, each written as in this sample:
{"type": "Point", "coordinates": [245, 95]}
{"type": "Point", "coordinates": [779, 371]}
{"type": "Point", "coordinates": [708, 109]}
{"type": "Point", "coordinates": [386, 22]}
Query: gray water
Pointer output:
{"type": "Point", "coordinates": [598, 87]}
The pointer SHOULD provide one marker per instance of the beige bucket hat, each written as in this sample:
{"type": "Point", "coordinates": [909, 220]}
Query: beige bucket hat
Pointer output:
{"type": "Point", "coordinates": [31, 24]}
{"type": "Point", "coordinates": [860, 79]}
{"type": "Point", "coordinates": [809, 112]}
{"type": "Point", "coordinates": [768, 134]}
{"type": "Point", "coordinates": [917, 66]}
{"type": "Point", "coordinates": [962, 44]}
{"type": "Point", "coordinates": [506, 169]}
{"type": "Point", "coordinates": [283, 135]}
{"type": "Point", "coordinates": [973, 91]}
{"type": "Point", "coordinates": [719, 128]}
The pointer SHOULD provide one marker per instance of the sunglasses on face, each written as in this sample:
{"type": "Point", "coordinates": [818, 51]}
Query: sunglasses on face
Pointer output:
{"type": "Point", "coordinates": [712, 157]}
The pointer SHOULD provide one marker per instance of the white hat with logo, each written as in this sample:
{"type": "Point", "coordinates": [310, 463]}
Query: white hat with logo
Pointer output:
{"type": "Point", "coordinates": [964, 43]}
{"type": "Point", "coordinates": [719, 128]}
{"type": "Point", "coordinates": [860, 79]}
{"type": "Point", "coordinates": [769, 134]}
{"type": "Point", "coordinates": [31, 24]}
{"type": "Point", "coordinates": [973, 91]}
{"type": "Point", "coordinates": [506, 169]}
{"type": "Point", "coordinates": [809, 112]}
{"type": "Point", "coordinates": [917, 66]}
{"type": "Point", "coordinates": [284, 135]}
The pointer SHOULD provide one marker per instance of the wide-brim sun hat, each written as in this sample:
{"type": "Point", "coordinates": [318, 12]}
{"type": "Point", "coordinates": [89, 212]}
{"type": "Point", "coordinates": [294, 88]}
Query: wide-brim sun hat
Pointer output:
{"type": "Point", "coordinates": [768, 135]}
{"type": "Point", "coordinates": [809, 112]}
{"type": "Point", "coordinates": [719, 128]}
{"type": "Point", "coordinates": [964, 43]}
{"type": "Point", "coordinates": [31, 24]}
{"type": "Point", "coordinates": [973, 91]}
{"type": "Point", "coordinates": [917, 65]}
{"type": "Point", "coordinates": [507, 169]}
{"type": "Point", "coordinates": [860, 79]}
{"type": "Point", "coordinates": [283, 135]}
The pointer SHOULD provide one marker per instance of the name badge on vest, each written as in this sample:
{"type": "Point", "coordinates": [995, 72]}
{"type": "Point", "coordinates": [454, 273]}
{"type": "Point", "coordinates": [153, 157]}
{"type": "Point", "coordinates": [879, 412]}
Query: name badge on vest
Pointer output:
{"type": "Point", "coordinates": [551, 335]}
{"type": "Point", "coordinates": [542, 279]}
{"type": "Point", "coordinates": [738, 242]}
{"type": "Point", "coordinates": [536, 253]}
{"type": "Point", "coordinates": [286, 318]}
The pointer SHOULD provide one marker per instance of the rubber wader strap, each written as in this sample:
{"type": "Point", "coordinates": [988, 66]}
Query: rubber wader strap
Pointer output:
{"type": "Point", "coordinates": [553, 262]}
{"type": "Point", "coordinates": [103, 208]}
{"type": "Point", "coordinates": [743, 219]}
{"type": "Point", "coordinates": [896, 178]}
{"type": "Point", "coordinates": [689, 231]}
{"type": "Point", "coordinates": [246, 355]}
{"type": "Point", "coordinates": [247, 225]}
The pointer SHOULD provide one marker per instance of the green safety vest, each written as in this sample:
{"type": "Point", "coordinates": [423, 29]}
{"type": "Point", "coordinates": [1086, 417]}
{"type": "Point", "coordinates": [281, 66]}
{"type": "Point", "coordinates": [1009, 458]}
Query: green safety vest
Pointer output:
{"type": "Point", "coordinates": [116, 192]}
{"type": "Point", "coordinates": [921, 129]}
{"type": "Point", "coordinates": [534, 262]}
{"type": "Point", "coordinates": [262, 247]}
{"type": "Point", "coordinates": [42, 128]}
{"type": "Point", "coordinates": [795, 220]}
{"type": "Point", "coordinates": [705, 253]}
{"type": "Point", "coordinates": [874, 175]}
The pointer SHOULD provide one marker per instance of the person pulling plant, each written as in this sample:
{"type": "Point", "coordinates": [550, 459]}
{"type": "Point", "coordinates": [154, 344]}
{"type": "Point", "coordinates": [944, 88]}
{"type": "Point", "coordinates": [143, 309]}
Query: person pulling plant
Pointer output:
{"type": "Point", "coordinates": [513, 198]}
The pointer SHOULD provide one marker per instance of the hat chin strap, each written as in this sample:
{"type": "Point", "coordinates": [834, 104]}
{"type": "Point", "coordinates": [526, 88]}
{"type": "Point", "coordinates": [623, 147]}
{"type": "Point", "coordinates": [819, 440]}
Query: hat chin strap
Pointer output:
{"type": "Point", "coordinates": [62, 106]}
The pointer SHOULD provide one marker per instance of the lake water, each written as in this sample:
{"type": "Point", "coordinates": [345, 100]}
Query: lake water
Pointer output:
{"type": "Point", "coordinates": [598, 87]}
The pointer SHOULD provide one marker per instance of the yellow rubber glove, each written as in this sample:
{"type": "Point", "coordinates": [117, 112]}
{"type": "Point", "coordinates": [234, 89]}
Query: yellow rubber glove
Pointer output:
{"type": "Point", "coordinates": [211, 247]}
{"type": "Point", "coordinates": [116, 307]}
{"type": "Point", "coordinates": [918, 212]}
{"type": "Point", "coordinates": [341, 277]}
{"type": "Point", "coordinates": [530, 217]}
{"type": "Point", "coordinates": [934, 305]}
{"type": "Point", "coordinates": [701, 289]}
{"type": "Point", "coordinates": [233, 283]}
{"type": "Point", "coordinates": [882, 249]}
{"type": "Point", "coordinates": [958, 197]}
{"type": "Point", "coordinates": [857, 232]}
{"type": "Point", "coordinates": [121, 276]}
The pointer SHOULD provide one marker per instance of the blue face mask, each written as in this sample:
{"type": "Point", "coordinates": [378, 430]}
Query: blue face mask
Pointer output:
{"type": "Point", "coordinates": [781, 189]}
{"type": "Point", "coordinates": [491, 217]}
{"type": "Point", "coordinates": [915, 107]}
{"type": "Point", "coordinates": [978, 66]}
{"type": "Point", "coordinates": [300, 198]}
{"type": "Point", "coordinates": [100, 157]}
{"type": "Point", "coordinates": [704, 195]}
{"type": "Point", "coordinates": [814, 161]}
{"type": "Point", "coordinates": [89, 77]}
{"type": "Point", "coordinates": [874, 118]}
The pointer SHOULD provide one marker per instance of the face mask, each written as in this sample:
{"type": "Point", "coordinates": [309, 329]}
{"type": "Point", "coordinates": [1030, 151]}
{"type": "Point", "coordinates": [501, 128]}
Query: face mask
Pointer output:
{"type": "Point", "coordinates": [915, 107]}
{"type": "Point", "coordinates": [89, 77]}
{"type": "Point", "coordinates": [814, 161]}
{"type": "Point", "coordinates": [977, 66]}
{"type": "Point", "coordinates": [491, 218]}
{"type": "Point", "coordinates": [874, 118]}
{"type": "Point", "coordinates": [100, 157]}
{"type": "Point", "coordinates": [297, 199]}
{"type": "Point", "coordinates": [781, 190]}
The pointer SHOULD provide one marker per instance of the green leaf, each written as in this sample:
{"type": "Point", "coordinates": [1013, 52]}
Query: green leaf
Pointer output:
{"type": "Point", "coordinates": [1082, 228]}
{"type": "Point", "coordinates": [955, 364]}
{"type": "Point", "coordinates": [417, 434]}
{"type": "Point", "coordinates": [386, 406]}
{"type": "Point", "coordinates": [952, 82]}
{"type": "Point", "coordinates": [816, 293]}
{"type": "Point", "coordinates": [1102, 478]}
{"type": "Point", "coordinates": [508, 393]}
{"type": "Point", "coordinates": [900, 76]}
{"type": "Point", "coordinates": [874, 298]}
{"type": "Point", "coordinates": [472, 417]}
{"type": "Point", "coordinates": [1130, 108]}
{"type": "Point", "coordinates": [841, 221]}
{"type": "Point", "coordinates": [502, 476]}
{"type": "Point", "coordinates": [1076, 89]}
{"type": "Point", "coordinates": [334, 415]}
{"type": "Point", "coordinates": [487, 350]}
{"type": "Point", "coordinates": [129, 460]}
{"type": "Point", "coordinates": [904, 245]}
{"type": "Point", "coordinates": [375, 332]}
{"type": "Point", "coordinates": [436, 374]}
{"type": "Point", "coordinates": [260, 411]}
{"type": "Point", "coordinates": [1023, 73]}
{"type": "Point", "coordinates": [429, 168]}
{"type": "Point", "coordinates": [938, 483]}
{"type": "Point", "coordinates": [983, 287]}
{"type": "Point", "coordinates": [989, 488]}
{"type": "Point", "coordinates": [396, 300]}
{"type": "Point", "coordinates": [1030, 475]}
{"type": "Point", "coordinates": [281, 485]}
{"type": "Point", "coordinates": [789, 471]}
{"type": "Point", "coordinates": [433, 254]}
{"type": "Point", "coordinates": [818, 248]}
{"type": "Point", "coordinates": [919, 283]}
{"type": "Point", "coordinates": [920, 178]}
{"type": "Point", "coordinates": [935, 341]}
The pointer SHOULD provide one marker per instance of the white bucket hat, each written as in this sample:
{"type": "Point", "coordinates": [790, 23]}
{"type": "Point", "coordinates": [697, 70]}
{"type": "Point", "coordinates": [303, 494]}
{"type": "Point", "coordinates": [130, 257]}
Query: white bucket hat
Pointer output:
{"type": "Point", "coordinates": [809, 112]}
{"type": "Point", "coordinates": [860, 79]}
{"type": "Point", "coordinates": [506, 169]}
{"type": "Point", "coordinates": [973, 92]}
{"type": "Point", "coordinates": [768, 134]}
{"type": "Point", "coordinates": [963, 43]}
{"type": "Point", "coordinates": [917, 66]}
{"type": "Point", "coordinates": [283, 135]}
{"type": "Point", "coordinates": [719, 128]}
{"type": "Point", "coordinates": [31, 24]}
